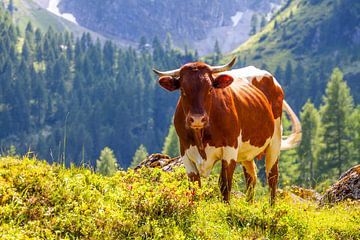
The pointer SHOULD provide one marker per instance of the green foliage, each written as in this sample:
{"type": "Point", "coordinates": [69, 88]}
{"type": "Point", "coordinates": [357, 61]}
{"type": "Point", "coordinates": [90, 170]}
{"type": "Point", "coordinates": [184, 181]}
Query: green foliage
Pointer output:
{"type": "Point", "coordinates": [140, 154]}
{"type": "Point", "coordinates": [253, 24]}
{"type": "Point", "coordinates": [355, 131]}
{"type": "Point", "coordinates": [43, 201]}
{"type": "Point", "coordinates": [335, 115]}
{"type": "Point", "coordinates": [303, 34]}
{"type": "Point", "coordinates": [288, 162]}
{"type": "Point", "coordinates": [171, 145]}
{"type": "Point", "coordinates": [96, 94]}
{"type": "Point", "coordinates": [107, 164]}
{"type": "Point", "coordinates": [309, 149]}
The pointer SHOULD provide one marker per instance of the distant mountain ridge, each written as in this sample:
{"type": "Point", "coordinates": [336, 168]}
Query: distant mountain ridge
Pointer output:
{"type": "Point", "coordinates": [195, 23]}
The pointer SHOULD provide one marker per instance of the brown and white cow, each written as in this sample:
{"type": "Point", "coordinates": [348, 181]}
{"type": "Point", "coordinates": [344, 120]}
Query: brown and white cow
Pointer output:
{"type": "Point", "coordinates": [232, 117]}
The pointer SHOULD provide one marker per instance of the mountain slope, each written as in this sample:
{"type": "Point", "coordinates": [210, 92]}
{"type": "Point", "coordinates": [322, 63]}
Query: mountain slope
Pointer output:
{"type": "Point", "coordinates": [313, 36]}
{"type": "Point", "coordinates": [195, 23]}
{"type": "Point", "coordinates": [34, 11]}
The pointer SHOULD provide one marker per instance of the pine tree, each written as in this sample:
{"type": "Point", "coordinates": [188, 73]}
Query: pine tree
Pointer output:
{"type": "Point", "coordinates": [335, 111]}
{"type": "Point", "coordinates": [217, 53]}
{"type": "Point", "coordinates": [107, 164]}
{"type": "Point", "coordinates": [355, 130]}
{"type": "Point", "coordinates": [168, 43]}
{"type": "Point", "coordinates": [288, 74]}
{"type": "Point", "coordinates": [171, 144]}
{"type": "Point", "coordinates": [288, 163]}
{"type": "Point", "coordinates": [253, 24]}
{"type": "Point", "coordinates": [11, 7]}
{"type": "Point", "coordinates": [263, 22]}
{"type": "Point", "coordinates": [308, 151]}
{"type": "Point", "coordinates": [140, 154]}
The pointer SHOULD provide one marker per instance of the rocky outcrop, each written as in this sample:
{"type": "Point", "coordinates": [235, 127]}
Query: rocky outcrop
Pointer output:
{"type": "Point", "coordinates": [162, 161]}
{"type": "Point", "coordinates": [347, 187]}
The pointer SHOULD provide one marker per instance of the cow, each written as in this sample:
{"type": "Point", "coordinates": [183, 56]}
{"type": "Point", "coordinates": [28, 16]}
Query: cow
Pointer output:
{"type": "Point", "coordinates": [229, 116]}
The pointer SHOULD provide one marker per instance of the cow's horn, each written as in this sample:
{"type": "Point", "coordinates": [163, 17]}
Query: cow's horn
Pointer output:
{"type": "Point", "coordinates": [223, 68]}
{"type": "Point", "coordinates": [172, 73]}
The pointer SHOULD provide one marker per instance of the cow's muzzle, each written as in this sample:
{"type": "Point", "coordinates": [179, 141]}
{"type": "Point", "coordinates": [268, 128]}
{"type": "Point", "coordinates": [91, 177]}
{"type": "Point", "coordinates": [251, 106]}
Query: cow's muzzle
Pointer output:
{"type": "Point", "coordinates": [197, 121]}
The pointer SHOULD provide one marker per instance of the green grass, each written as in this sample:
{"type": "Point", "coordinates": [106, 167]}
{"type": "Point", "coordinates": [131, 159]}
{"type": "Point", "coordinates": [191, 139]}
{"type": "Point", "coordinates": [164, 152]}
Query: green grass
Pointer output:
{"type": "Point", "coordinates": [38, 200]}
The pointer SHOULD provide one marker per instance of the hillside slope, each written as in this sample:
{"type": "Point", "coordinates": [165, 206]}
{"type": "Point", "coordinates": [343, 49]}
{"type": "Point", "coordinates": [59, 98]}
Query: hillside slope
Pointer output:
{"type": "Point", "coordinates": [34, 11]}
{"type": "Point", "coordinates": [38, 200]}
{"type": "Point", "coordinates": [195, 23]}
{"type": "Point", "coordinates": [313, 36]}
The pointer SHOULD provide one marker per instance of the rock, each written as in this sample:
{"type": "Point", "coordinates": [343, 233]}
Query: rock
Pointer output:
{"type": "Point", "coordinates": [347, 187]}
{"type": "Point", "coordinates": [304, 193]}
{"type": "Point", "coordinates": [162, 161]}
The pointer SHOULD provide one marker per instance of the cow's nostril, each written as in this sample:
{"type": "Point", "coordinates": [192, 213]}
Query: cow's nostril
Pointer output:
{"type": "Point", "coordinates": [191, 120]}
{"type": "Point", "coordinates": [204, 120]}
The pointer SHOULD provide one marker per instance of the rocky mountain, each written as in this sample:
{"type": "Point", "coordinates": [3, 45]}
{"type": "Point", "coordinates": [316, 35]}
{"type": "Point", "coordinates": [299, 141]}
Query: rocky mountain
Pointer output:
{"type": "Point", "coordinates": [198, 24]}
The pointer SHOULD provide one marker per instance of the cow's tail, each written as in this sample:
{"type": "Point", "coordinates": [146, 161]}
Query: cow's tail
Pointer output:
{"type": "Point", "coordinates": [294, 139]}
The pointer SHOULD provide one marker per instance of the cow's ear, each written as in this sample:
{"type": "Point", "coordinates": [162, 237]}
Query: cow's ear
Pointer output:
{"type": "Point", "coordinates": [222, 81]}
{"type": "Point", "coordinates": [169, 83]}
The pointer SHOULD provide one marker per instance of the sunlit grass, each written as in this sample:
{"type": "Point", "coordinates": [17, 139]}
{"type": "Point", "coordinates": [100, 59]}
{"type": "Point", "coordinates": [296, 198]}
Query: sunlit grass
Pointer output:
{"type": "Point", "coordinates": [38, 200]}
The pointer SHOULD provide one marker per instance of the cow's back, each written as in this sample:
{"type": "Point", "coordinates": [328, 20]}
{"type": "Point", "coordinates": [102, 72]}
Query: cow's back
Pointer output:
{"type": "Point", "coordinates": [264, 81]}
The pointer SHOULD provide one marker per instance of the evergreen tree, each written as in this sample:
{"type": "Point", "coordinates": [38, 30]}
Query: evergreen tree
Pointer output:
{"type": "Point", "coordinates": [288, 74]}
{"type": "Point", "coordinates": [308, 151]}
{"type": "Point", "coordinates": [355, 130]}
{"type": "Point", "coordinates": [171, 145]}
{"type": "Point", "coordinates": [168, 43]}
{"type": "Point", "coordinates": [107, 164]}
{"type": "Point", "coordinates": [263, 22]}
{"type": "Point", "coordinates": [11, 6]}
{"type": "Point", "coordinates": [288, 162]}
{"type": "Point", "coordinates": [217, 53]}
{"type": "Point", "coordinates": [140, 154]}
{"type": "Point", "coordinates": [253, 24]}
{"type": "Point", "coordinates": [335, 114]}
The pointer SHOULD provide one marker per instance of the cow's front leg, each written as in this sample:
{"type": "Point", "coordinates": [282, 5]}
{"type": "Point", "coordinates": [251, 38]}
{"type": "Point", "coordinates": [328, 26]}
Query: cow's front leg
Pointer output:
{"type": "Point", "coordinates": [226, 177]}
{"type": "Point", "coordinates": [191, 170]}
{"type": "Point", "coordinates": [249, 168]}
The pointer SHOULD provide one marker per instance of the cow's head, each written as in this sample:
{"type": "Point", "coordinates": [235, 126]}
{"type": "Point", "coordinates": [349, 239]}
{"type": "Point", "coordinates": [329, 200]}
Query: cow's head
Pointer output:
{"type": "Point", "coordinates": [196, 81]}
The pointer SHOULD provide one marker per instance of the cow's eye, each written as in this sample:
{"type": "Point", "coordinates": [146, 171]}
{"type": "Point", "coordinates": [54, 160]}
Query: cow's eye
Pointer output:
{"type": "Point", "coordinates": [210, 90]}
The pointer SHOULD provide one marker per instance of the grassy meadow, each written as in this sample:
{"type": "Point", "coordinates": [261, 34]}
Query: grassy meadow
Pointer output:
{"type": "Point", "coordinates": [42, 201]}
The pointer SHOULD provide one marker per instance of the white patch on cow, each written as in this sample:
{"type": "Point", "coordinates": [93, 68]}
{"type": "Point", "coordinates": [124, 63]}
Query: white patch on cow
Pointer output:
{"type": "Point", "coordinates": [248, 73]}
{"type": "Point", "coordinates": [204, 167]}
{"type": "Point", "coordinates": [236, 18]}
{"type": "Point", "coordinates": [247, 151]}
{"type": "Point", "coordinates": [273, 151]}
{"type": "Point", "coordinates": [189, 165]}
{"type": "Point", "coordinates": [195, 163]}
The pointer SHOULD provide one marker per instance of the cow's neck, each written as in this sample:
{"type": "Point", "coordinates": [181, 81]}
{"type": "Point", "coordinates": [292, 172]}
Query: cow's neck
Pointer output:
{"type": "Point", "coordinates": [198, 137]}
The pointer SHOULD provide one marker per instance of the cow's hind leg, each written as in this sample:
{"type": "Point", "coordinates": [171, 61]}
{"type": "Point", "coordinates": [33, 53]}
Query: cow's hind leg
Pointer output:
{"type": "Point", "coordinates": [272, 159]}
{"type": "Point", "coordinates": [226, 177]}
{"type": "Point", "coordinates": [249, 168]}
{"type": "Point", "coordinates": [272, 177]}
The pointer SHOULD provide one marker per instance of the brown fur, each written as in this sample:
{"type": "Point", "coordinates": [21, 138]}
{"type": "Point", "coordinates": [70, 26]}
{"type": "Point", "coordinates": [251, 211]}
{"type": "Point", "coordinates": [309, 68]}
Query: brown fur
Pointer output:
{"type": "Point", "coordinates": [221, 113]}
{"type": "Point", "coordinates": [226, 177]}
{"type": "Point", "coordinates": [273, 180]}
